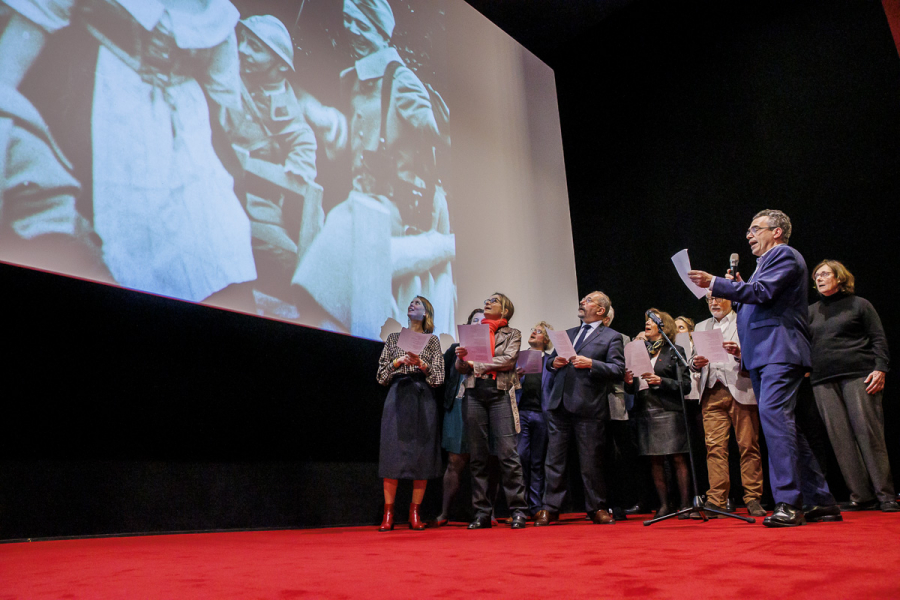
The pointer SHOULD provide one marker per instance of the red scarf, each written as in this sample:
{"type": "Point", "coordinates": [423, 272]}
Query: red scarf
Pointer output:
{"type": "Point", "coordinates": [494, 326]}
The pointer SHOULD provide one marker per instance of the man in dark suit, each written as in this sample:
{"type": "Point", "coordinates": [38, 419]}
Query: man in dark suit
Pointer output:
{"type": "Point", "coordinates": [774, 334]}
{"type": "Point", "coordinates": [577, 405]}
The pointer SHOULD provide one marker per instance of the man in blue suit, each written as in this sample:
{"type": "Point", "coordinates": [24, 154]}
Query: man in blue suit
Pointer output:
{"type": "Point", "coordinates": [772, 309]}
{"type": "Point", "coordinates": [577, 405]}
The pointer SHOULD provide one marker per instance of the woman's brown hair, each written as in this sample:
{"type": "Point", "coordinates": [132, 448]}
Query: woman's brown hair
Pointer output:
{"type": "Point", "coordinates": [845, 279]}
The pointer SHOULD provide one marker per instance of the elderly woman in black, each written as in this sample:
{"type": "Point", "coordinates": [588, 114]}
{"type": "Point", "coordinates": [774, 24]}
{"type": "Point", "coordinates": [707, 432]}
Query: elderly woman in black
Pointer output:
{"type": "Point", "coordinates": [409, 424]}
{"type": "Point", "coordinates": [658, 412]}
{"type": "Point", "coordinates": [849, 361]}
{"type": "Point", "coordinates": [491, 411]}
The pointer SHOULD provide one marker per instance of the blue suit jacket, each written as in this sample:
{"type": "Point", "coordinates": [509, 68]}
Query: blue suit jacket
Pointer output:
{"type": "Point", "coordinates": [585, 392]}
{"type": "Point", "coordinates": [773, 309]}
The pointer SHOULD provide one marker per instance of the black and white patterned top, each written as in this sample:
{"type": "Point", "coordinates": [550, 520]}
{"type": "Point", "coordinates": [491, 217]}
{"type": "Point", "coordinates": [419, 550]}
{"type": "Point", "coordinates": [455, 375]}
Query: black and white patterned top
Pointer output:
{"type": "Point", "coordinates": [431, 356]}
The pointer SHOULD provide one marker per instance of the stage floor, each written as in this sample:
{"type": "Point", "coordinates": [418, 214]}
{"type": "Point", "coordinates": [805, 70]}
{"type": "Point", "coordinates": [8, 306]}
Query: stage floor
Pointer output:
{"type": "Point", "coordinates": [858, 558]}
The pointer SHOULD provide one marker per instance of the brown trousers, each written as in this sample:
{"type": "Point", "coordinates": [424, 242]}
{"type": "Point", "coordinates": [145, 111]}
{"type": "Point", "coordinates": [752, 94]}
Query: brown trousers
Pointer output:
{"type": "Point", "coordinates": [720, 412]}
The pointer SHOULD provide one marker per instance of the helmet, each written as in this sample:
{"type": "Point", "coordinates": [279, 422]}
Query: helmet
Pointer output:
{"type": "Point", "coordinates": [273, 34]}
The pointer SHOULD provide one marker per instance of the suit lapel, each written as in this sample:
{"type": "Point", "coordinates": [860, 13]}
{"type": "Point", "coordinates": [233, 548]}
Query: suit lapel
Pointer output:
{"type": "Point", "coordinates": [587, 338]}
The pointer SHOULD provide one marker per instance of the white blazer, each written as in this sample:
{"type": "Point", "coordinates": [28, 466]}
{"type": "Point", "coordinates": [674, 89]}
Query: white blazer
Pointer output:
{"type": "Point", "coordinates": [739, 385]}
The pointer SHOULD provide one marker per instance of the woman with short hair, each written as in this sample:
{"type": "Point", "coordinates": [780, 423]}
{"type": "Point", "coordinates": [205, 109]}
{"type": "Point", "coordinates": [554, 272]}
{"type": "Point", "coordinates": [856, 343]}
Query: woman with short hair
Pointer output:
{"type": "Point", "coordinates": [658, 412]}
{"type": "Point", "coordinates": [849, 360]}
{"type": "Point", "coordinates": [409, 423]}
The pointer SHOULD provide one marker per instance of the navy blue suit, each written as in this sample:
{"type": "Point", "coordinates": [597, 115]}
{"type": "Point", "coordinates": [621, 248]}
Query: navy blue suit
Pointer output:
{"type": "Point", "coordinates": [772, 319]}
{"type": "Point", "coordinates": [577, 404]}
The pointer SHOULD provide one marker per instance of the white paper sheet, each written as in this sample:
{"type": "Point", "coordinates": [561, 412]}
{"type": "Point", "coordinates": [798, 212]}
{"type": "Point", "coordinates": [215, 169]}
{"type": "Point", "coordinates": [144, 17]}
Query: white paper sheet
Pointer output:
{"type": "Point", "coordinates": [413, 341]}
{"type": "Point", "coordinates": [709, 345]}
{"type": "Point", "coordinates": [530, 361]}
{"type": "Point", "coordinates": [637, 360]}
{"type": "Point", "coordinates": [476, 339]}
{"type": "Point", "coordinates": [562, 343]}
{"type": "Point", "coordinates": [683, 339]}
{"type": "Point", "coordinates": [683, 265]}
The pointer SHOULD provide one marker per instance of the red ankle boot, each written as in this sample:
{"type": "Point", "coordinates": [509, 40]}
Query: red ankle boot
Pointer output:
{"type": "Point", "coordinates": [387, 523]}
{"type": "Point", "coordinates": [414, 521]}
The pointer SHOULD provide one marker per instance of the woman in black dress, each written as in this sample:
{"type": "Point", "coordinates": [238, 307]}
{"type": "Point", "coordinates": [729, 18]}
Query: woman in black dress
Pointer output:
{"type": "Point", "coordinates": [658, 412]}
{"type": "Point", "coordinates": [410, 446]}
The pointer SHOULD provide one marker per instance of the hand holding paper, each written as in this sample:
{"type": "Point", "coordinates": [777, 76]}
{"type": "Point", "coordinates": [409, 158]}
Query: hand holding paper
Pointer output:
{"type": "Point", "coordinates": [413, 341]}
{"type": "Point", "coordinates": [711, 346]}
{"type": "Point", "coordinates": [562, 343]}
{"type": "Point", "coordinates": [637, 360]}
{"type": "Point", "coordinates": [683, 265]}
{"type": "Point", "coordinates": [476, 339]}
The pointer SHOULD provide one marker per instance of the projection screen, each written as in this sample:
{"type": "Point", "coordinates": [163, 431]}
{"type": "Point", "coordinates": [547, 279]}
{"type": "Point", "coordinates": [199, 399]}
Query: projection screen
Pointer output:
{"type": "Point", "coordinates": [314, 161]}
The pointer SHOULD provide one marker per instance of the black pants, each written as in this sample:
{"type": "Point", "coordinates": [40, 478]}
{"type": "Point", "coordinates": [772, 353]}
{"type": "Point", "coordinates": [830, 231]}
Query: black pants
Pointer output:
{"type": "Point", "coordinates": [490, 414]}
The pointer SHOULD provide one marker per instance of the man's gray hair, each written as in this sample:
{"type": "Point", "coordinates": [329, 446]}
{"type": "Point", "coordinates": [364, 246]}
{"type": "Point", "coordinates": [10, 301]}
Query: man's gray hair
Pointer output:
{"type": "Point", "coordinates": [603, 301]}
{"type": "Point", "coordinates": [778, 219]}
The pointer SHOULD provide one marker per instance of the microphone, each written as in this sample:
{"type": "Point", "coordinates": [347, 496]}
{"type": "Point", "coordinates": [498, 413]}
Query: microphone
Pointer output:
{"type": "Point", "coordinates": [734, 263]}
{"type": "Point", "coordinates": [656, 320]}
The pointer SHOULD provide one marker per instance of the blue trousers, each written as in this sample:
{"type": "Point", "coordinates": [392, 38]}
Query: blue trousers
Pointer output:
{"type": "Point", "coordinates": [532, 451]}
{"type": "Point", "coordinates": [794, 473]}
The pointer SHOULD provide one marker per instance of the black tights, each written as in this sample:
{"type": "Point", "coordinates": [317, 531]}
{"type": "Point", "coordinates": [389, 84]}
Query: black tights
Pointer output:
{"type": "Point", "coordinates": [657, 467]}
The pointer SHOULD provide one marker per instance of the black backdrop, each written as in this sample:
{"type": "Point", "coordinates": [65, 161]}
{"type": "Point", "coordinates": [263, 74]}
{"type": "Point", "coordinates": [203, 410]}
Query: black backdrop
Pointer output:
{"type": "Point", "coordinates": [125, 412]}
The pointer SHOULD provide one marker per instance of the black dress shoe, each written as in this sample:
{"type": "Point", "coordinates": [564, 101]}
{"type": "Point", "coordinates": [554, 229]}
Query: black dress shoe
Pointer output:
{"type": "Point", "coordinates": [823, 513]}
{"type": "Point", "coordinates": [854, 506]}
{"type": "Point", "coordinates": [480, 523]}
{"type": "Point", "coordinates": [637, 509]}
{"type": "Point", "coordinates": [889, 506]}
{"type": "Point", "coordinates": [730, 505]}
{"type": "Point", "coordinates": [785, 515]}
{"type": "Point", "coordinates": [663, 511]}
{"type": "Point", "coordinates": [518, 521]}
{"type": "Point", "coordinates": [617, 513]}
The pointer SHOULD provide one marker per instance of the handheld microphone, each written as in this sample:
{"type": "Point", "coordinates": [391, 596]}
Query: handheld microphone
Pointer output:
{"type": "Point", "coordinates": [734, 263]}
{"type": "Point", "coordinates": [656, 320]}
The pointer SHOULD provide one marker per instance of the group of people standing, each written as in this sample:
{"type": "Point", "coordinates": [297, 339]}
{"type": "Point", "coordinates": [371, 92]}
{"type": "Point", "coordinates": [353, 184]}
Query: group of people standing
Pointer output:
{"type": "Point", "coordinates": [773, 340]}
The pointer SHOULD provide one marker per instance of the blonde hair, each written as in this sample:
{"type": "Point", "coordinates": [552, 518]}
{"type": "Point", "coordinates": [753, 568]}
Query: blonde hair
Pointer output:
{"type": "Point", "coordinates": [846, 280]}
{"type": "Point", "coordinates": [548, 345]}
{"type": "Point", "coordinates": [687, 321]}
{"type": "Point", "coordinates": [506, 306]}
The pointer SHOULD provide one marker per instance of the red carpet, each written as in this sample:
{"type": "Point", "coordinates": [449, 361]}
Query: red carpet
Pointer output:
{"type": "Point", "coordinates": [675, 559]}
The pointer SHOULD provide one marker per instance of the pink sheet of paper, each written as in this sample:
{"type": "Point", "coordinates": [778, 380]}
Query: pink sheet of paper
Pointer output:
{"type": "Point", "coordinates": [413, 341]}
{"type": "Point", "coordinates": [637, 360]}
{"type": "Point", "coordinates": [562, 343]}
{"type": "Point", "coordinates": [476, 339]}
{"type": "Point", "coordinates": [530, 361]}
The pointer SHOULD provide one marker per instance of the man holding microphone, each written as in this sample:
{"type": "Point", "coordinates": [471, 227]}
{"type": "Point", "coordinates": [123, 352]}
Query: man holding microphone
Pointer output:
{"type": "Point", "coordinates": [775, 341]}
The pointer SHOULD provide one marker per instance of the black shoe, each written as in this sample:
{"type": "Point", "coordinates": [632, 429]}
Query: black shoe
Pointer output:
{"type": "Point", "coordinates": [637, 509]}
{"type": "Point", "coordinates": [617, 513]}
{"type": "Point", "coordinates": [730, 505]}
{"type": "Point", "coordinates": [518, 521]}
{"type": "Point", "coordinates": [889, 506]}
{"type": "Point", "coordinates": [481, 523]}
{"type": "Point", "coordinates": [823, 513]}
{"type": "Point", "coordinates": [663, 511]}
{"type": "Point", "coordinates": [855, 506]}
{"type": "Point", "coordinates": [688, 515]}
{"type": "Point", "coordinates": [785, 515]}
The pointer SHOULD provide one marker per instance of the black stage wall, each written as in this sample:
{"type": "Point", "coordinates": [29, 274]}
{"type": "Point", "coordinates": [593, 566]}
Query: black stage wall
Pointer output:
{"type": "Point", "coordinates": [130, 413]}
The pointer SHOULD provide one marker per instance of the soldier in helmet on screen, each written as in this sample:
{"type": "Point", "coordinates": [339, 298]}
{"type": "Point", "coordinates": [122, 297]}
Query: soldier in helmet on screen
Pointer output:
{"type": "Point", "coordinates": [278, 151]}
{"type": "Point", "coordinates": [391, 238]}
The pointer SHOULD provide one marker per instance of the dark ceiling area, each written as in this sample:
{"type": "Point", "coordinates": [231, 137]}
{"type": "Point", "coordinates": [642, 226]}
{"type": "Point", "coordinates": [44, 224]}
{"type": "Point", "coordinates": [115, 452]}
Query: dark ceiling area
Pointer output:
{"type": "Point", "coordinates": [546, 26]}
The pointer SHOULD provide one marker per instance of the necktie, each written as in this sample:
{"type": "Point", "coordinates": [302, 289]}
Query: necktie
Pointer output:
{"type": "Point", "coordinates": [581, 335]}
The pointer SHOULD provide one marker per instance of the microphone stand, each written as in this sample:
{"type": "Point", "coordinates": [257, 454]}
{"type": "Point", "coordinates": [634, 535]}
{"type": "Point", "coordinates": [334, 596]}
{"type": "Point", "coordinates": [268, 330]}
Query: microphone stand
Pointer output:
{"type": "Point", "coordinates": [698, 506]}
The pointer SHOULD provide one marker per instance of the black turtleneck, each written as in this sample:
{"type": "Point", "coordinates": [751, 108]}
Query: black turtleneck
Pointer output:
{"type": "Point", "coordinates": [847, 338]}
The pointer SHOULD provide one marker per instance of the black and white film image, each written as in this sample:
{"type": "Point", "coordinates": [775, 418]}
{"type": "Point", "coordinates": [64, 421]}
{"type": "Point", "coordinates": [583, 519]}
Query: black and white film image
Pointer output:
{"type": "Point", "coordinates": [285, 158]}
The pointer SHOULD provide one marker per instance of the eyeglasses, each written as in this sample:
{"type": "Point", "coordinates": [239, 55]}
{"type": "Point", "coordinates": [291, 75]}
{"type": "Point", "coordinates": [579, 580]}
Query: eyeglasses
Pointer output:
{"type": "Point", "coordinates": [756, 229]}
{"type": "Point", "coordinates": [587, 299]}
{"type": "Point", "coordinates": [712, 299]}
{"type": "Point", "coordinates": [492, 301]}
{"type": "Point", "coordinates": [538, 331]}
{"type": "Point", "coordinates": [823, 275]}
